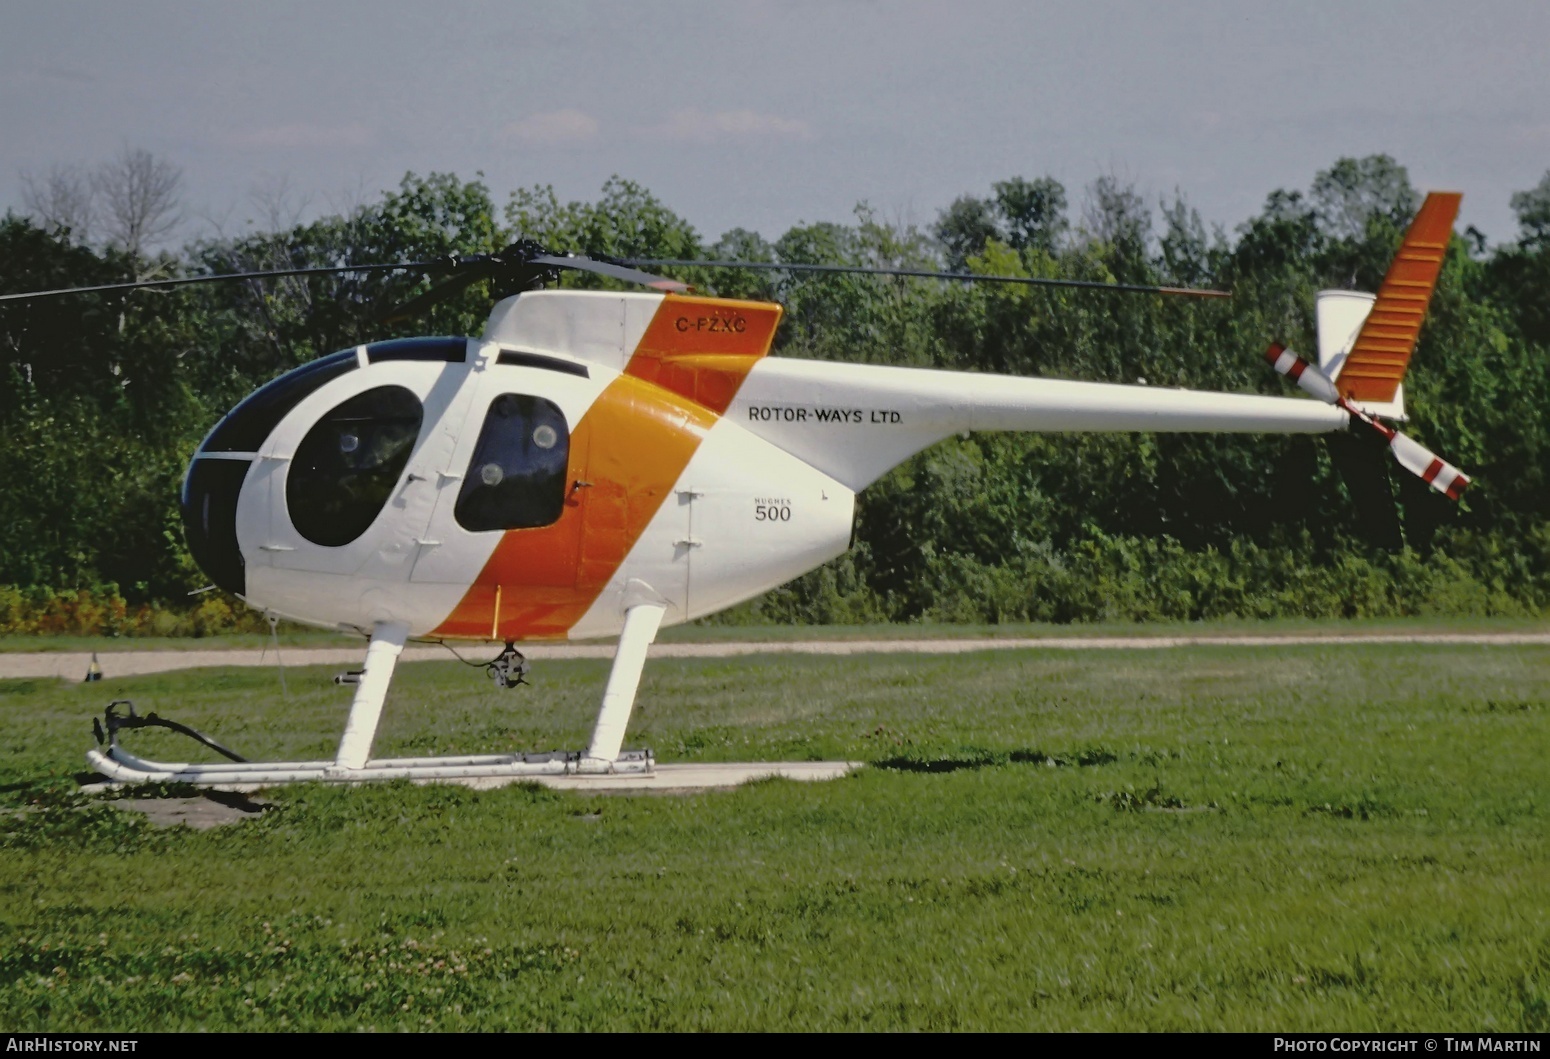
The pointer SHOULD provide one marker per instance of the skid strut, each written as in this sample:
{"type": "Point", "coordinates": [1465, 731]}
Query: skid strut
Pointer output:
{"type": "Point", "coordinates": [353, 762]}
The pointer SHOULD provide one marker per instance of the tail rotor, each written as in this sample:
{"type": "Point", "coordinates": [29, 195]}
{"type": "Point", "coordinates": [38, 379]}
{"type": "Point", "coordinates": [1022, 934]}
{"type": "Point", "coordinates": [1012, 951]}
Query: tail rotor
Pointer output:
{"type": "Point", "coordinates": [1409, 453]}
{"type": "Point", "coordinates": [1365, 345]}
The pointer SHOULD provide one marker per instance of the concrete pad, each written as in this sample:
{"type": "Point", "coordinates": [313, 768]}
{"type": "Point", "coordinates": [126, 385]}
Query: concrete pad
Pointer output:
{"type": "Point", "coordinates": [201, 813]}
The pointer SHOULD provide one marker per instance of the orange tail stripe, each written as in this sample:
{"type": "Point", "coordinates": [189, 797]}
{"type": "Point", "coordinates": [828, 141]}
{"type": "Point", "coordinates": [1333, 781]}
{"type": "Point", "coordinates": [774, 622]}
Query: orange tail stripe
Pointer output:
{"type": "Point", "coordinates": [703, 348]}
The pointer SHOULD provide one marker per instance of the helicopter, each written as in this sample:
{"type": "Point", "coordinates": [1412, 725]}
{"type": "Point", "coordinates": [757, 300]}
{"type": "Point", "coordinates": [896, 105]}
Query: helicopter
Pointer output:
{"type": "Point", "coordinates": [606, 463]}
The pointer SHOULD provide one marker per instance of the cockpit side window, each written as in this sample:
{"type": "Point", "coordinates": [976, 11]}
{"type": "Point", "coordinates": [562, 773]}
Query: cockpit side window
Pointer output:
{"type": "Point", "coordinates": [347, 466]}
{"type": "Point", "coordinates": [517, 477]}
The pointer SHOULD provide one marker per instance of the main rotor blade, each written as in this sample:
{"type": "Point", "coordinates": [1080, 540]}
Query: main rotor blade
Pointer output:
{"type": "Point", "coordinates": [963, 277]}
{"type": "Point", "coordinates": [469, 275]}
{"type": "Point", "coordinates": [615, 271]}
{"type": "Point", "coordinates": [520, 266]}
{"type": "Point", "coordinates": [182, 281]}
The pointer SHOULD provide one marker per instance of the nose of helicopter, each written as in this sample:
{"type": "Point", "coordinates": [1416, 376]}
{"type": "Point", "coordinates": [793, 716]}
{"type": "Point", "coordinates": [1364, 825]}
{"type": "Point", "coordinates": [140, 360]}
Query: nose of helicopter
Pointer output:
{"type": "Point", "coordinates": [209, 506]}
{"type": "Point", "coordinates": [214, 480]}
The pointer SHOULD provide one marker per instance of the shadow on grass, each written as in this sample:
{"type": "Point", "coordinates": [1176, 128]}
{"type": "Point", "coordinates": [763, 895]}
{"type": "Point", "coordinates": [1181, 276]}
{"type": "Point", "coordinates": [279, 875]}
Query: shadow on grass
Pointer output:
{"type": "Point", "coordinates": [1081, 757]}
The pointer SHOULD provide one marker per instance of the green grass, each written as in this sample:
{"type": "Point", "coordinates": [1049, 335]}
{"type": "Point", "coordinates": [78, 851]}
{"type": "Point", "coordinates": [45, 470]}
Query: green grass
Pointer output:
{"type": "Point", "coordinates": [1315, 838]}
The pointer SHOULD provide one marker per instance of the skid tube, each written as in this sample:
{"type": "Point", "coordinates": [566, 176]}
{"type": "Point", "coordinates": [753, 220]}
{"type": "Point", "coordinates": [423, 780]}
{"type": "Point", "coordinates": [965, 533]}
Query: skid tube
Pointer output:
{"type": "Point", "coordinates": [121, 766]}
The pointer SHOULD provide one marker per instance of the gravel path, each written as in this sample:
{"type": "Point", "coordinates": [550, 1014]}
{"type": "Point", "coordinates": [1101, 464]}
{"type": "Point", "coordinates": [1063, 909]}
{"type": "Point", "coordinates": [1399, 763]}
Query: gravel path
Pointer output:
{"type": "Point", "coordinates": [73, 665]}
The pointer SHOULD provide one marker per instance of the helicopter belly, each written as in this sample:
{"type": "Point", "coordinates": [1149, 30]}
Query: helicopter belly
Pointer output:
{"type": "Point", "coordinates": [348, 601]}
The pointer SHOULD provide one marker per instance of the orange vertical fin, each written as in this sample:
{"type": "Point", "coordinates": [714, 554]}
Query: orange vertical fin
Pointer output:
{"type": "Point", "coordinates": [1376, 364]}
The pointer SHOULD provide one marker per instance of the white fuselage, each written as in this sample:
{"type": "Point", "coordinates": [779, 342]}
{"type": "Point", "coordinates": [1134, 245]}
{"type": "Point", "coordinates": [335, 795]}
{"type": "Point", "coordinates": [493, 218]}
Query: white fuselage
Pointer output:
{"type": "Point", "coordinates": [667, 500]}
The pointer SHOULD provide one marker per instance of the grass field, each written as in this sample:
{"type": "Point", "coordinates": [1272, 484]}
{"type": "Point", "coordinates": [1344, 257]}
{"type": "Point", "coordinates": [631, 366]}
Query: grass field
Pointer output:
{"type": "Point", "coordinates": [1316, 838]}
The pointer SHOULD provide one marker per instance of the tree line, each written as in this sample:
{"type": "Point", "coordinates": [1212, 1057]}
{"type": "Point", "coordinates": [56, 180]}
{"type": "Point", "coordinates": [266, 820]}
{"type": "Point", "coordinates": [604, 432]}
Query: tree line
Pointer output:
{"type": "Point", "coordinates": [104, 398]}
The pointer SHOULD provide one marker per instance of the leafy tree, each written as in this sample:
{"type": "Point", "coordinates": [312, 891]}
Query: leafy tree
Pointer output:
{"type": "Point", "coordinates": [1354, 192]}
{"type": "Point", "coordinates": [1117, 216]}
{"type": "Point", "coordinates": [627, 221]}
{"type": "Point", "coordinates": [1188, 256]}
{"type": "Point", "coordinates": [1519, 273]}
{"type": "Point", "coordinates": [1032, 212]}
{"type": "Point", "coordinates": [740, 244]}
{"type": "Point", "coordinates": [1533, 210]}
{"type": "Point", "coordinates": [964, 228]}
{"type": "Point", "coordinates": [1022, 214]}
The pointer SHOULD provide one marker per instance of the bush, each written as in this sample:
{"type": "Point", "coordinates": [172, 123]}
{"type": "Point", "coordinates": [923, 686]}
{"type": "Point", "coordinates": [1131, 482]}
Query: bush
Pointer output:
{"type": "Point", "coordinates": [1128, 579]}
{"type": "Point", "coordinates": [102, 611]}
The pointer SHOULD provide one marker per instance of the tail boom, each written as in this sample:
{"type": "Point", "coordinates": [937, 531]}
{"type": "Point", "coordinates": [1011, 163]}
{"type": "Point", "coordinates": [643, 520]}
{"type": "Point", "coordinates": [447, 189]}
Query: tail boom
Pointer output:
{"type": "Point", "coordinates": [856, 421]}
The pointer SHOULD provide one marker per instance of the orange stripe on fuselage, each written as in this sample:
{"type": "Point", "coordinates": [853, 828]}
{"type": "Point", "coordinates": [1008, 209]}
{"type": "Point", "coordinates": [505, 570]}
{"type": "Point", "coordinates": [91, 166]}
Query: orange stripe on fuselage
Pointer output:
{"type": "Point", "coordinates": [632, 445]}
{"type": "Point", "coordinates": [703, 348]}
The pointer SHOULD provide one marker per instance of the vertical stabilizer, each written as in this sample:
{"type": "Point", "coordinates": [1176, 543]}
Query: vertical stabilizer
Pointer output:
{"type": "Point", "coordinates": [1340, 315]}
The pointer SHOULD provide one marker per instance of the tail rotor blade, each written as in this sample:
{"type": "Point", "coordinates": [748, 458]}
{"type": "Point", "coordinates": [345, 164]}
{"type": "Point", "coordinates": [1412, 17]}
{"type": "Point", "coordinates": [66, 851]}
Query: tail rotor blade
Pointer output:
{"type": "Point", "coordinates": [1302, 373]}
{"type": "Point", "coordinates": [1428, 466]}
{"type": "Point", "coordinates": [1414, 457]}
{"type": "Point", "coordinates": [1411, 454]}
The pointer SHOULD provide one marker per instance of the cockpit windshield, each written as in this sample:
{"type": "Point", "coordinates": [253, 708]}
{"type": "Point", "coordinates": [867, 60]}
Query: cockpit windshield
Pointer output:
{"type": "Point", "coordinates": [247, 426]}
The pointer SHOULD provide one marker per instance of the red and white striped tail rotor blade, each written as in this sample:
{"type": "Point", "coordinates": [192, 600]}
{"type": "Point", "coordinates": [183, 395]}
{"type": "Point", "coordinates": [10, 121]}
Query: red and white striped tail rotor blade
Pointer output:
{"type": "Point", "coordinates": [1301, 372]}
{"type": "Point", "coordinates": [1428, 466]}
{"type": "Point", "coordinates": [1412, 455]}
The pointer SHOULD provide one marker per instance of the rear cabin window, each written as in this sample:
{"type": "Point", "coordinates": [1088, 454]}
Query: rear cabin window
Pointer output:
{"type": "Point", "coordinates": [517, 477]}
{"type": "Point", "coordinates": [349, 463]}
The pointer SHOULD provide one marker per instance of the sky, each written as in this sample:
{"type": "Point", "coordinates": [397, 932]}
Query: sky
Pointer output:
{"type": "Point", "coordinates": [765, 114]}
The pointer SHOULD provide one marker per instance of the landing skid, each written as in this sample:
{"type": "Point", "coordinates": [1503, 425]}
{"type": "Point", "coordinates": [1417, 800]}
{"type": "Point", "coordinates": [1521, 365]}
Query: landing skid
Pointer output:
{"type": "Point", "coordinates": [121, 766]}
{"type": "Point", "coordinates": [353, 762]}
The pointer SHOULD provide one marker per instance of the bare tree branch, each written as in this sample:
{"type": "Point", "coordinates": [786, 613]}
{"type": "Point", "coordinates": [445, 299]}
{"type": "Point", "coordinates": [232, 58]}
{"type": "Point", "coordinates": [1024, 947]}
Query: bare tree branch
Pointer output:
{"type": "Point", "coordinates": [141, 199]}
{"type": "Point", "coordinates": [64, 200]}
